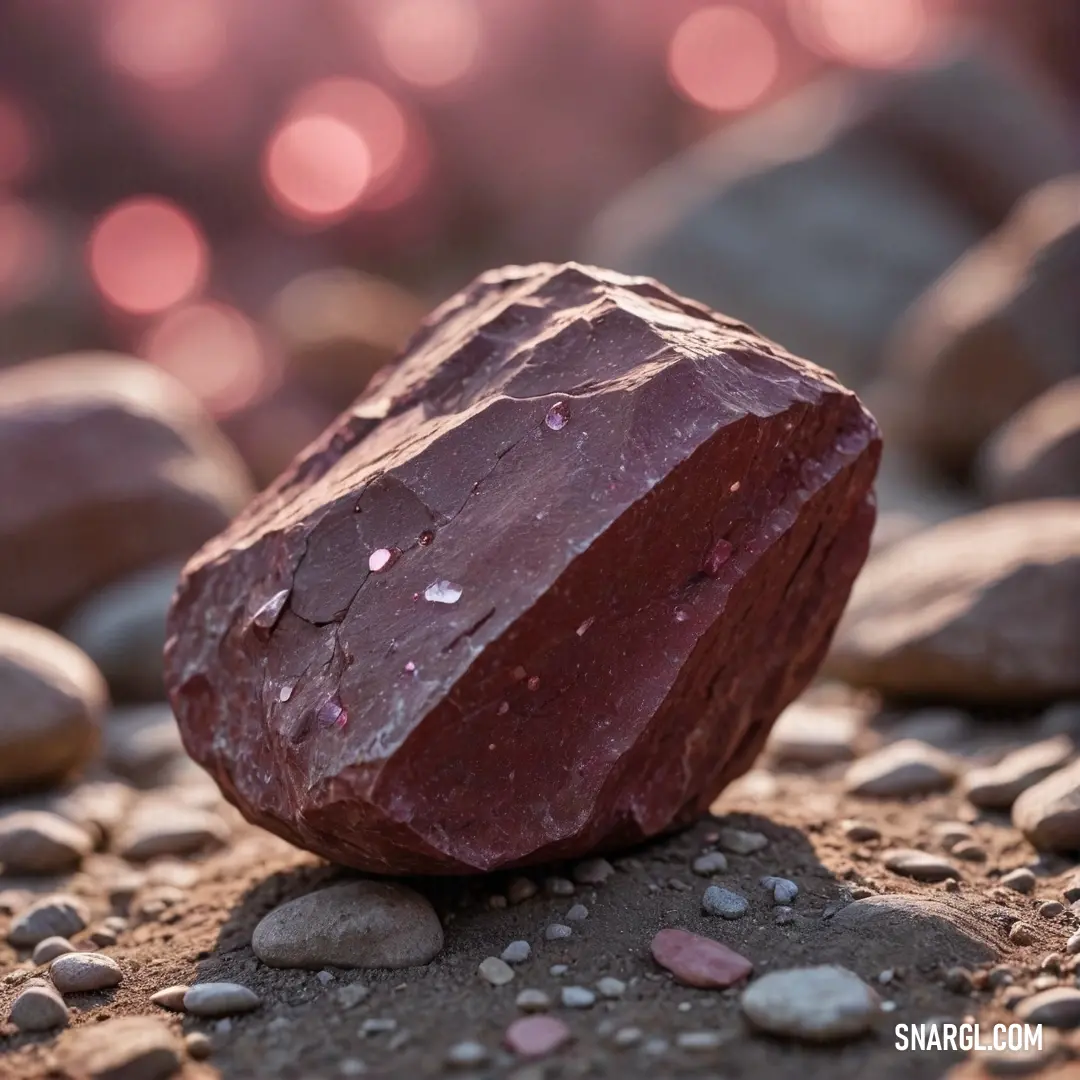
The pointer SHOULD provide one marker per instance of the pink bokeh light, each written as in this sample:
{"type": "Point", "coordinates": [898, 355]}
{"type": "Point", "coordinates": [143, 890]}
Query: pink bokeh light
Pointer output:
{"type": "Point", "coordinates": [884, 34]}
{"type": "Point", "coordinates": [316, 167]}
{"type": "Point", "coordinates": [146, 255]}
{"type": "Point", "coordinates": [429, 43]}
{"type": "Point", "coordinates": [723, 58]}
{"type": "Point", "coordinates": [17, 143]}
{"type": "Point", "coordinates": [212, 349]}
{"type": "Point", "coordinates": [26, 243]}
{"type": "Point", "coordinates": [166, 43]}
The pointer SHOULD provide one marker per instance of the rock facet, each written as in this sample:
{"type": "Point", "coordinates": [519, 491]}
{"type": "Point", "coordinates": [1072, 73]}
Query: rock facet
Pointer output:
{"type": "Point", "coordinates": [605, 499]}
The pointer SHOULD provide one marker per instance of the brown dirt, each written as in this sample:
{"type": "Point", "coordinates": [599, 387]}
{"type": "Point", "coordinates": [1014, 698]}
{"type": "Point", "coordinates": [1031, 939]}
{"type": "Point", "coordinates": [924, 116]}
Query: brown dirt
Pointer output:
{"type": "Point", "coordinates": [302, 1032]}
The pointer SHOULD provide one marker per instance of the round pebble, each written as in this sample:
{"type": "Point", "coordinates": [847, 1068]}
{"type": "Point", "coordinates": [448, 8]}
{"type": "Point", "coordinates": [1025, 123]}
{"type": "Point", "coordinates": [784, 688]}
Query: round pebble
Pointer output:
{"type": "Point", "coordinates": [558, 886]}
{"type": "Point", "coordinates": [577, 997]}
{"type": "Point", "coordinates": [533, 1001]}
{"type": "Point", "coordinates": [517, 952]}
{"type": "Point", "coordinates": [592, 871]}
{"type": "Point", "coordinates": [742, 841]}
{"type": "Point", "coordinates": [537, 1036]}
{"type": "Point", "coordinates": [220, 999]}
{"type": "Point", "coordinates": [1057, 1008]}
{"type": "Point", "coordinates": [610, 987]}
{"type": "Point", "coordinates": [38, 1008]}
{"type": "Point", "coordinates": [495, 971]}
{"type": "Point", "coordinates": [699, 1041]}
{"type": "Point", "coordinates": [714, 862]}
{"type": "Point", "coordinates": [578, 913]}
{"type": "Point", "coordinates": [357, 924]}
{"type": "Point", "coordinates": [1072, 946]}
{"type": "Point", "coordinates": [466, 1055]}
{"type": "Point", "coordinates": [723, 902]}
{"type": "Point", "coordinates": [521, 889]}
{"type": "Point", "coordinates": [78, 972]}
{"type": "Point", "coordinates": [919, 865]}
{"type": "Point", "coordinates": [1021, 934]}
{"type": "Point", "coordinates": [817, 1004]}
{"type": "Point", "coordinates": [170, 997]}
{"type": "Point", "coordinates": [558, 932]}
{"type": "Point", "coordinates": [1021, 880]}
{"type": "Point", "coordinates": [783, 890]}
{"type": "Point", "coordinates": [627, 1036]}
{"type": "Point", "coordinates": [198, 1045]}
{"type": "Point", "coordinates": [1050, 909]}
{"type": "Point", "coordinates": [52, 916]}
{"type": "Point", "coordinates": [50, 949]}
{"type": "Point", "coordinates": [38, 842]}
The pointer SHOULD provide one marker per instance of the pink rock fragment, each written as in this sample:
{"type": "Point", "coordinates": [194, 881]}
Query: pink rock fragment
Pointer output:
{"type": "Point", "coordinates": [537, 1036]}
{"type": "Point", "coordinates": [699, 961]}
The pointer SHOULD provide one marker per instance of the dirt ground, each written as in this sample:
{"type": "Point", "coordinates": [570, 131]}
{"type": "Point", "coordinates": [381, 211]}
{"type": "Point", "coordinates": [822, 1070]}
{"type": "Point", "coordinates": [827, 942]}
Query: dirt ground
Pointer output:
{"type": "Point", "coordinates": [305, 1031]}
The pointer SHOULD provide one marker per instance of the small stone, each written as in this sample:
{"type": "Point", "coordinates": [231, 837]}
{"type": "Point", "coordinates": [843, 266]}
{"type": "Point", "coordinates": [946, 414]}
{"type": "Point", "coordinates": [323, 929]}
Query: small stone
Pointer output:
{"type": "Point", "coordinates": [577, 997]}
{"type": "Point", "coordinates": [1050, 909]}
{"type": "Point", "coordinates": [532, 1001]}
{"type": "Point", "coordinates": [521, 889]}
{"type": "Point", "coordinates": [919, 865]}
{"type": "Point", "coordinates": [163, 827]}
{"type": "Point", "coordinates": [466, 1055]}
{"type": "Point", "coordinates": [537, 1036]}
{"type": "Point", "coordinates": [517, 952]}
{"type": "Point", "coordinates": [723, 902]}
{"type": "Point", "coordinates": [558, 886]}
{"type": "Point", "coordinates": [958, 980]}
{"type": "Point", "coordinates": [1072, 890]}
{"type": "Point", "coordinates": [1020, 880]}
{"type": "Point", "coordinates": [1044, 981]}
{"type": "Point", "coordinates": [783, 890]}
{"type": "Point", "coordinates": [1001, 975]}
{"type": "Point", "coordinates": [578, 913]}
{"type": "Point", "coordinates": [951, 833]}
{"type": "Point", "coordinates": [1052, 962]}
{"type": "Point", "coordinates": [198, 1045]}
{"type": "Point", "coordinates": [998, 786]}
{"type": "Point", "coordinates": [861, 892]}
{"type": "Point", "coordinates": [1048, 813]}
{"type": "Point", "coordinates": [495, 971]}
{"type": "Point", "coordinates": [377, 1025]}
{"type": "Point", "coordinates": [38, 1008]}
{"type": "Point", "coordinates": [814, 735]}
{"type": "Point", "coordinates": [52, 916]}
{"type": "Point", "coordinates": [699, 1041]}
{"type": "Point", "coordinates": [558, 970]}
{"type": "Point", "coordinates": [611, 987]}
{"type": "Point", "coordinates": [1057, 1008]}
{"type": "Point", "coordinates": [627, 1037]}
{"type": "Point", "coordinates": [970, 851]}
{"type": "Point", "coordinates": [860, 832]}
{"type": "Point", "coordinates": [907, 767]}
{"type": "Point", "coordinates": [443, 592]}
{"type": "Point", "coordinates": [816, 1004]}
{"type": "Point", "coordinates": [220, 999]}
{"type": "Point", "coordinates": [784, 916]}
{"type": "Point", "coordinates": [1021, 934]}
{"type": "Point", "coordinates": [122, 1048]}
{"type": "Point", "coordinates": [496, 902]}
{"type": "Point", "coordinates": [1072, 946]}
{"type": "Point", "coordinates": [80, 972]}
{"type": "Point", "coordinates": [741, 841]}
{"type": "Point", "coordinates": [170, 997]}
{"type": "Point", "coordinates": [37, 842]}
{"type": "Point", "coordinates": [348, 997]}
{"type": "Point", "coordinates": [699, 961]}
{"type": "Point", "coordinates": [357, 924]}
{"type": "Point", "coordinates": [50, 949]}
{"type": "Point", "coordinates": [592, 871]}
{"type": "Point", "coordinates": [713, 862]}
{"type": "Point", "coordinates": [325, 977]}
{"type": "Point", "coordinates": [557, 932]}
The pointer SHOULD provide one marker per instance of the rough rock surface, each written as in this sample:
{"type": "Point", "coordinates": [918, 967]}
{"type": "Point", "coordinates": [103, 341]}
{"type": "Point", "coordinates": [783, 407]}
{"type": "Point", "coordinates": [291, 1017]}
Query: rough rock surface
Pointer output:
{"type": "Point", "coordinates": [51, 701]}
{"type": "Point", "coordinates": [1036, 453]}
{"type": "Point", "coordinates": [106, 465]}
{"type": "Point", "coordinates": [585, 533]}
{"type": "Point", "coordinates": [985, 608]}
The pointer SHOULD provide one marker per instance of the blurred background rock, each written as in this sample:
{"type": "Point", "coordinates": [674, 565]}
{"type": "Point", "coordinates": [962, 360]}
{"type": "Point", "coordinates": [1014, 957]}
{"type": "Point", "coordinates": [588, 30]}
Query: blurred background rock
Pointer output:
{"type": "Point", "coordinates": [259, 199]}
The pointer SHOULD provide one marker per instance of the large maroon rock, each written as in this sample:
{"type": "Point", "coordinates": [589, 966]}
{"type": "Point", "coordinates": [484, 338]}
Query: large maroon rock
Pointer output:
{"type": "Point", "coordinates": [542, 590]}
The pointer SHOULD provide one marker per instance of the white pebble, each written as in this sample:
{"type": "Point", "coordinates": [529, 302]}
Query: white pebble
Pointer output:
{"type": "Point", "coordinates": [699, 1040]}
{"type": "Point", "coordinates": [466, 1055]}
{"type": "Point", "coordinates": [610, 987]}
{"type": "Point", "coordinates": [517, 952]}
{"type": "Point", "coordinates": [557, 932]}
{"type": "Point", "coordinates": [532, 1001]}
{"type": "Point", "coordinates": [578, 997]}
{"type": "Point", "coordinates": [220, 999]}
{"type": "Point", "coordinates": [495, 971]}
{"type": "Point", "coordinates": [714, 862]}
{"type": "Point", "coordinates": [578, 913]}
